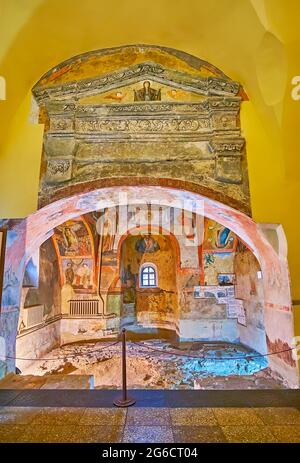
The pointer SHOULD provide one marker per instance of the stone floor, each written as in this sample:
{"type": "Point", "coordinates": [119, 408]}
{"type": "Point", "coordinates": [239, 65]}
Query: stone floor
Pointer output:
{"type": "Point", "coordinates": [151, 364]}
{"type": "Point", "coordinates": [150, 425]}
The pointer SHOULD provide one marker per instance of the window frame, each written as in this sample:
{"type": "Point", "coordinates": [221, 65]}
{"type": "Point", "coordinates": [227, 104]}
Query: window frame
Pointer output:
{"type": "Point", "coordinates": [142, 273]}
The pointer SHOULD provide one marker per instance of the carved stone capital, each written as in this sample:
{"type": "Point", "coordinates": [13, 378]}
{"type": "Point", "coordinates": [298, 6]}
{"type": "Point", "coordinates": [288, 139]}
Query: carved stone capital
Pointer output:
{"type": "Point", "coordinates": [59, 170]}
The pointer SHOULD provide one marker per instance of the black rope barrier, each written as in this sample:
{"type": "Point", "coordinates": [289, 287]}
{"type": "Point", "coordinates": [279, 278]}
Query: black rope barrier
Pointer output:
{"type": "Point", "coordinates": [201, 357]}
{"type": "Point", "coordinates": [67, 356]}
{"type": "Point", "coordinates": [153, 349]}
{"type": "Point", "coordinates": [124, 401]}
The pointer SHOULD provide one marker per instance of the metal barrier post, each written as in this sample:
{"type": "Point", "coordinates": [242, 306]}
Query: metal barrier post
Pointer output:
{"type": "Point", "coordinates": [124, 401]}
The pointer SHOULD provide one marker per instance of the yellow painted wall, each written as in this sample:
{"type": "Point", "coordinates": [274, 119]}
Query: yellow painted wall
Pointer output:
{"type": "Point", "coordinates": [256, 42]}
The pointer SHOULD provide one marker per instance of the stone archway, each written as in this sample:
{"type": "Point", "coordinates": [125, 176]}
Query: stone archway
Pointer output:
{"type": "Point", "coordinates": [28, 235]}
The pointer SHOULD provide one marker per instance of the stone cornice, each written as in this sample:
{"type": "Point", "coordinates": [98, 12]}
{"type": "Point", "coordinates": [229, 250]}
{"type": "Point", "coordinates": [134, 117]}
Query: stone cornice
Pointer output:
{"type": "Point", "coordinates": [148, 70]}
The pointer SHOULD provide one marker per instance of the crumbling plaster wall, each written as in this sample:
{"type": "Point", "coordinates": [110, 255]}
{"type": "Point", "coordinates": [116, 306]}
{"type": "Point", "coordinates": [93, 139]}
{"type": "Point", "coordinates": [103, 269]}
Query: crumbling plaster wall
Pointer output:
{"type": "Point", "coordinates": [249, 288]}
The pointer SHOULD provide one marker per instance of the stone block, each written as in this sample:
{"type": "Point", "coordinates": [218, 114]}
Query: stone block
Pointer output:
{"type": "Point", "coordinates": [228, 169]}
{"type": "Point", "coordinates": [57, 146]}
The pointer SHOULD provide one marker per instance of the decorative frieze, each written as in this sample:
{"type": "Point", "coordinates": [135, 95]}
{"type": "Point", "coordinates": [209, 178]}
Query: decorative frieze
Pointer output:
{"type": "Point", "coordinates": [165, 126]}
{"type": "Point", "coordinates": [207, 107]}
{"type": "Point", "coordinates": [143, 109]}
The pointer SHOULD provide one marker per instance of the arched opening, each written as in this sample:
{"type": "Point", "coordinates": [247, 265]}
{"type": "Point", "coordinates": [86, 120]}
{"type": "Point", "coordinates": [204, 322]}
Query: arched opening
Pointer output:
{"type": "Point", "coordinates": [251, 251]}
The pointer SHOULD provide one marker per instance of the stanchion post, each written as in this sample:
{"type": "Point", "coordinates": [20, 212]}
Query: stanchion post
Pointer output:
{"type": "Point", "coordinates": [125, 401]}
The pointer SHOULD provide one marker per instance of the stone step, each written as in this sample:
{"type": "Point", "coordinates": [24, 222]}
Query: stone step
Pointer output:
{"type": "Point", "coordinates": [55, 381]}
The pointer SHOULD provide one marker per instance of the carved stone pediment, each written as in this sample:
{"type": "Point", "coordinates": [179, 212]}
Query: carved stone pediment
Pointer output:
{"type": "Point", "coordinates": [165, 116]}
{"type": "Point", "coordinates": [135, 74]}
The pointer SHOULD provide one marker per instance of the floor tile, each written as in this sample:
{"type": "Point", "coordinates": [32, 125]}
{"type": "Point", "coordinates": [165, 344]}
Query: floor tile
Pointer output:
{"type": "Point", "coordinates": [103, 416]}
{"type": "Point", "coordinates": [148, 416]}
{"type": "Point", "coordinates": [288, 434]}
{"type": "Point", "coordinates": [10, 433]}
{"type": "Point", "coordinates": [198, 434]}
{"type": "Point", "coordinates": [248, 434]}
{"type": "Point", "coordinates": [18, 415]}
{"type": "Point", "coordinates": [100, 434]}
{"type": "Point", "coordinates": [58, 416]}
{"type": "Point", "coordinates": [192, 417]}
{"type": "Point", "coordinates": [237, 416]}
{"type": "Point", "coordinates": [279, 416]}
{"type": "Point", "coordinates": [41, 433]}
{"type": "Point", "coordinates": [148, 434]}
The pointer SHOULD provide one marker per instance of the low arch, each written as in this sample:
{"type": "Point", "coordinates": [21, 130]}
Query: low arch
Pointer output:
{"type": "Point", "coordinates": [28, 235]}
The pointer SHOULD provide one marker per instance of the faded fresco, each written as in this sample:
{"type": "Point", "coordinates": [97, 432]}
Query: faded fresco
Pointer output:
{"type": "Point", "coordinates": [47, 292]}
{"type": "Point", "coordinates": [217, 264]}
{"type": "Point", "coordinates": [31, 276]}
{"type": "Point", "coordinates": [217, 237]}
{"type": "Point", "coordinates": [78, 273]}
{"type": "Point", "coordinates": [73, 240]}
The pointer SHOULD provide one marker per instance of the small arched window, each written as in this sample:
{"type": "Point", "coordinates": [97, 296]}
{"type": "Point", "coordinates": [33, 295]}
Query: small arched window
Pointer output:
{"type": "Point", "coordinates": [148, 276]}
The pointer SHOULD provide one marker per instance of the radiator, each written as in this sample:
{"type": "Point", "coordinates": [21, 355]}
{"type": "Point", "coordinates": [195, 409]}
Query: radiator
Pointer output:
{"type": "Point", "coordinates": [83, 307]}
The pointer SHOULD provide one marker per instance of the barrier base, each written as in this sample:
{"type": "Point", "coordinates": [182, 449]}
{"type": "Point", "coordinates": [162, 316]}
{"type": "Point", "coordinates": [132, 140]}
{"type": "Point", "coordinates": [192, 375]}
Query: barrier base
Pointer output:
{"type": "Point", "coordinates": [124, 403]}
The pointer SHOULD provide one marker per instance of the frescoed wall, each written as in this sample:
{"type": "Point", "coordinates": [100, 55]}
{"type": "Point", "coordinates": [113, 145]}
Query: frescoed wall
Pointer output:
{"type": "Point", "coordinates": [74, 242]}
{"type": "Point", "coordinates": [201, 314]}
{"type": "Point", "coordinates": [249, 288]}
{"type": "Point", "coordinates": [156, 306]}
{"type": "Point", "coordinates": [207, 284]}
{"type": "Point", "coordinates": [47, 292]}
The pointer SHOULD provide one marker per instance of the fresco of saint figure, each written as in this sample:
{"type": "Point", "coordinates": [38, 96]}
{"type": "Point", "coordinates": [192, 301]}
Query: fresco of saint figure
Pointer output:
{"type": "Point", "coordinates": [147, 93]}
{"type": "Point", "coordinates": [110, 220]}
{"type": "Point", "coordinates": [78, 273]}
{"type": "Point", "coordinates": [73, 239]}
{"type": "Point", "coordinates": [70, 239]}
{"type": "Point", "coordinates": [69, 274]}
{"type": "Point", "coordinates": [83, 275]}
{"type": "Point", "coordinates": [147, 244]}
{"type": "Point", "coordinates": [129, 280]}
